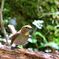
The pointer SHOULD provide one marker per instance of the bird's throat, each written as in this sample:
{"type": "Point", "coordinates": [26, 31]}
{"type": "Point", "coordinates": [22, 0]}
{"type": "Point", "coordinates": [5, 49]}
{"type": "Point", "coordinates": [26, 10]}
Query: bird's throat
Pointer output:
{"type": "Point", "coordinates": [27, 33]}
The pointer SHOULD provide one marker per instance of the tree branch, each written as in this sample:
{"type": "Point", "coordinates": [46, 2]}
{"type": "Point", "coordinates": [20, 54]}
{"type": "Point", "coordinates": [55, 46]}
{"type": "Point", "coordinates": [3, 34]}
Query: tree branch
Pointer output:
{"type": "Point", "coordinates": [2, 5]}
{"type": "Point", "coordinates": [6, 53]}
{"type": "Point", "coordinates": [2, 23]}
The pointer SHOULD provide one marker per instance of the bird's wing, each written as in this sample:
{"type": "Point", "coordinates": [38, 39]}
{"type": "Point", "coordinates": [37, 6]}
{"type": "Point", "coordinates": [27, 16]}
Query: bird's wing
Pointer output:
{"type": "Point", "coordinates": [14, 37]}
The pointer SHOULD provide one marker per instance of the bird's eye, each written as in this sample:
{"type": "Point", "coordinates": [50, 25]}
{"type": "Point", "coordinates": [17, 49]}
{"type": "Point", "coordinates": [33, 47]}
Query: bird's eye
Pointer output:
{"type": "Point", "coordinates": [25, 27]}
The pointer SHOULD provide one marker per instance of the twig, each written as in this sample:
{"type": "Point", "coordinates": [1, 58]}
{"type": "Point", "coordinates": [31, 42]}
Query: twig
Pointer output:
{"type": "Point", "coordinates": [12, 28]}
{"type": "Point", "coordinates": [4, 40]}
{"type": "Point", "coordinates": [34, 31]}
{"type": "Point", "coordinates": [37, 46]}
{"type": "Point", "coordinates": [2, 23]}
{"type": "Point", "coordinates": [13, 31]}
{"type": "Point", "coordinates": [44, 14]}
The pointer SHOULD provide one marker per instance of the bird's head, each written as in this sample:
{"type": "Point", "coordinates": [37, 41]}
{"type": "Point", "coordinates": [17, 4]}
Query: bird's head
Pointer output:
{"type": "Point", "coordinates": [25, 29]}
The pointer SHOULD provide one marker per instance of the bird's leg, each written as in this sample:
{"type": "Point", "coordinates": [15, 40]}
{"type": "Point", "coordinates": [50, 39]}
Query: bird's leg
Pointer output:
{"type": "Point", "coordinates": [15, 47]}
{"type": "Point", "coordinates": [20, 45]}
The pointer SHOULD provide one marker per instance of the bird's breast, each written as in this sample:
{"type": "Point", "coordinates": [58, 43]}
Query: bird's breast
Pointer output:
{"type": "Point", "coordinates": [21, 40]}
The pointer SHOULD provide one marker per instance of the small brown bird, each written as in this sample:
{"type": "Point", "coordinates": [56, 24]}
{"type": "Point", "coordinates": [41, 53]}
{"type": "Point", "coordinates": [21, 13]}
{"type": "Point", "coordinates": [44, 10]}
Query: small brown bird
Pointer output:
{"type": "Point", "coordinates": [21, 37]}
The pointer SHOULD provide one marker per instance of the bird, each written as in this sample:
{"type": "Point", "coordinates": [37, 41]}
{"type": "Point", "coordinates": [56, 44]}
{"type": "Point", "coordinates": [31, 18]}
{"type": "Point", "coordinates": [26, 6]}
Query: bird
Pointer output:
{"type": "Point", "coordinates": [21, 37]}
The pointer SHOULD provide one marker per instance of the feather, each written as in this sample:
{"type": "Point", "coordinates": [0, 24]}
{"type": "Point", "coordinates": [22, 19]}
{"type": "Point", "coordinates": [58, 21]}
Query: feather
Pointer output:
{"type": "Point", "coordinates": [14, 37]}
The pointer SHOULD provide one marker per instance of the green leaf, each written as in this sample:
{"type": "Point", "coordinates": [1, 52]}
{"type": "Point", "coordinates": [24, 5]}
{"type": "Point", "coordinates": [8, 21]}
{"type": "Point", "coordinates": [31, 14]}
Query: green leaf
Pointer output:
{"type": "Point", "coordinates": [20, 47]}
{"type": "Point", "coordinates": [38, 33]}
{"type": "Point", "coordinates": [32, 40]}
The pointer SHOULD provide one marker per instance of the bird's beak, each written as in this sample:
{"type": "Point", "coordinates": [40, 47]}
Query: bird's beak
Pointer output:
{"type": "Point", "coordinates": [30, 28]}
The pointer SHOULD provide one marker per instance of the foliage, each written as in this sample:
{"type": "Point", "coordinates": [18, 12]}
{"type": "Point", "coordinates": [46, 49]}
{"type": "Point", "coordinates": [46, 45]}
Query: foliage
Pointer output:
{"type": "Point", "coordinates": [28, 11]}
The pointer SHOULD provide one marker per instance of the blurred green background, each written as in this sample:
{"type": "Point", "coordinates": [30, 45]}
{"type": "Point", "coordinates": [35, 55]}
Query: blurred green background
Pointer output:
{"type": "Point", "coordinates": [44, 14]}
